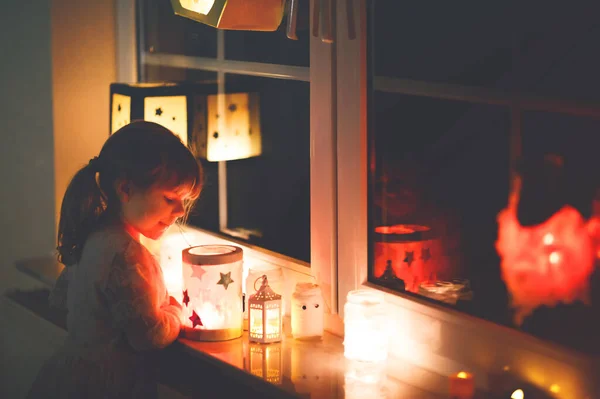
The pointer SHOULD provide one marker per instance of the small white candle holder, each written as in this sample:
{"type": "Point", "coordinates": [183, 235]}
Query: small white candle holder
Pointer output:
{"type": "Point", "coordinates": [365, 326]}
{"type": "Point", "coordinates": [307, 311]}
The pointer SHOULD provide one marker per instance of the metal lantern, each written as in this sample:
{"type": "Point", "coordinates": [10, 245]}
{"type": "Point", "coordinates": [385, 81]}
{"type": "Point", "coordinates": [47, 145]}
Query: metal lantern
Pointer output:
{"type": "Point", "coordinates": [264, 323]}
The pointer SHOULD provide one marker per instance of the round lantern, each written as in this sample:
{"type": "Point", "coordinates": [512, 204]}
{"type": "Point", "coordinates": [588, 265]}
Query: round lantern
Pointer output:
{"type": "Point", "coordinates": [212, 292]}
{"type": "Point", "coordinates": [365, 326]}
{"type": "Point", "coordinates": [264, 320]}
{"type": "Point", "coordinates": [410, 253]}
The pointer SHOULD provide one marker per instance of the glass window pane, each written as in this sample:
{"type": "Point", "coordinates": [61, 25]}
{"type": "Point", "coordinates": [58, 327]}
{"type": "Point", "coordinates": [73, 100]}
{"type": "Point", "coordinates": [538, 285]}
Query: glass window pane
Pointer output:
{"type": "Point", "coordinates": [440, 170]}
{"type": "Point", "coordinates": [165, 32]}
{"type": "Point", "coordinates": [272, 47]}
{"type": "Point", "coordinates": [439, 178]}
{"type": "Point", "coordinates": [463, 43]}
{"type": "Point", "coordinates": [503, 45]}
{"type": "Point", "coordinates": [269, 195]}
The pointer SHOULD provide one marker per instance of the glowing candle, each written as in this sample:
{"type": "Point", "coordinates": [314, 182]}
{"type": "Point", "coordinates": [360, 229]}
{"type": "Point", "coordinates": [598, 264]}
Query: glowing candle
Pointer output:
{"type": "Point", "coordinates": [462, 385]}
{"type": "Point", "coordinates": [212, 292]}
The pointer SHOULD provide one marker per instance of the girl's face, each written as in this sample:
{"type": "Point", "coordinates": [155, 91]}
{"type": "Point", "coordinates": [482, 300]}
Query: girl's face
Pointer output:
{"type": "Point", "coordinates": [151, 212]}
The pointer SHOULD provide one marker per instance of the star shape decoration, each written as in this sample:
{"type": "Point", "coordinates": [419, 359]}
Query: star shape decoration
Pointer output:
{"type": "Point", "coordinates": [195, 319]}
{"type": "Point", "coordinates": [225, 279]}
{"type": "Point", "coordinates": [158, 111]}
{"type": "Point", "coordinates": [186, 297]}
{"type": "Point", "coordinates": [425, 254]}
{"type": "Point", "coordinates": [409, 257]}
{"type": "Point", "coordinates": [198, 271]}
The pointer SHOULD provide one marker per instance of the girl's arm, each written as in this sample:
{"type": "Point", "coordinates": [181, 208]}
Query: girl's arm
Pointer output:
{"type": "Point", "coordinates": [134, 292]}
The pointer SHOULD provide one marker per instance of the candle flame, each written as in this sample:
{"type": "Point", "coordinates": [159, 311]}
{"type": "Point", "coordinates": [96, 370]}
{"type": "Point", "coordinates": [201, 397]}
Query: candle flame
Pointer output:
{"type": "Point", "coordinates": [462, 375]}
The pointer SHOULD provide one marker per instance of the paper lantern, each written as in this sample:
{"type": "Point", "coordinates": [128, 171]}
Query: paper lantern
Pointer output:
{"type": "Point", "coordinates": [462, 385]}
{"type": "Point", "coordinates": [365, 326]}
{"type": "Point", "coordinates": [265, 361]}
{"type": "Point", "coordinates": [257, 15]}
{"type": "Point", "coordinates": [171, 105]}
{"type": "Point", "coordinates": [307, 311]}
{"type": "Point", "coordinates": [547, 263]}
{"type": "Point", "coordinates": [233, 127]}
{"type": "Point", "coordinates": [412, 252]}
{"type": "Point", "coordinates": [212, 292]}
{"type": "Point", "coordinates": [264, 320]}
{"type": "Point", "coordinates": [215, 127]}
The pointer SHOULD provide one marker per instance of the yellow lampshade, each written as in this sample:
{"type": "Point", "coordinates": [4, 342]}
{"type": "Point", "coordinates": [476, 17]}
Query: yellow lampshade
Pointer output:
{"type": "Point", "coordinates": [237, 134]}
{"type": "Point", "coordinates": [164, 103]}
{"type": "Point", "coordinates": [257, 15]}
{"type": "Point", "coordinates": [220, 127]}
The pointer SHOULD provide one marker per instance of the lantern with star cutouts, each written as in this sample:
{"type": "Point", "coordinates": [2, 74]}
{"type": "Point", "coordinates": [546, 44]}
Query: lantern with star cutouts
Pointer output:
{"type": "Point", "coordinates": [216, 127]}
{"type": "Point", "coordinates": [407, 255]}
{"type": "Point", "coordinates": [264, 319]}
{"type": "Point", "coordinates": [212, 292]}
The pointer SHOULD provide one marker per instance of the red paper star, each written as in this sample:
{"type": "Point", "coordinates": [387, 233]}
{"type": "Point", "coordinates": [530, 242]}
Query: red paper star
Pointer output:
{"type": "Point", "coordinates": [186, 297]}
{"type": "Point", "coordinates": [195, 319]}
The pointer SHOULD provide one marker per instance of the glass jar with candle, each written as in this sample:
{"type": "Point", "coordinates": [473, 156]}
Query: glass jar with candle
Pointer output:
{"type": "Point", "coordinates": [212, 292]}
{"type": "Point", "coordinates": [275, 276]}
{"type": "Point", "coordinates": [307, 311]}
{"type": "Point", "coordinates": [365, 326]}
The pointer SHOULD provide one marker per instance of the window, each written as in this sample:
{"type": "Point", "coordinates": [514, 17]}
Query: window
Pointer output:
{"type": "Point", "coordinates": [262, 200]}
{"type": "Point", "coordinates": [459, 100]}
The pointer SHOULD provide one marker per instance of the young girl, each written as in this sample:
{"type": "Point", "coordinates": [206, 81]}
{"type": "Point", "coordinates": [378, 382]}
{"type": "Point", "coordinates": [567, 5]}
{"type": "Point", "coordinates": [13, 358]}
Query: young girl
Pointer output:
{"type": "Point", "coordinates": [143, 180]}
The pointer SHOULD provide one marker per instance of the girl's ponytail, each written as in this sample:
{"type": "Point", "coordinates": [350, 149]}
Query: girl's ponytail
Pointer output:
{"type": "Point", "coordinates": [80, 212]}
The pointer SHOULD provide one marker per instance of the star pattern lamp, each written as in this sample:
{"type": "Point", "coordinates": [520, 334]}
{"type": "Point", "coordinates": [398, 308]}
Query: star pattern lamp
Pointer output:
{"type": "Point", "coordinates": [264, 320]}
{"type": "Point", "coordinates": [216, 127]}
{"type": "Point", "coordinates": [256, 15]}
{"type": "Point", "coordinates": [212, 292]}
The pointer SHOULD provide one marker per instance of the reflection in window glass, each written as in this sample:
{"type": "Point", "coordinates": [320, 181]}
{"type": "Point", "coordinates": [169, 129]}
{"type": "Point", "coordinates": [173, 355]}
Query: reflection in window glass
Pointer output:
{"type": "Point", "coordinates": [269, 195]}
{"type": "Point", "coordinates": [449, 220]}
{"type": "Point", "coordinates": [272, 47]}
{"type": "Point", "coordinates": [440, 177]}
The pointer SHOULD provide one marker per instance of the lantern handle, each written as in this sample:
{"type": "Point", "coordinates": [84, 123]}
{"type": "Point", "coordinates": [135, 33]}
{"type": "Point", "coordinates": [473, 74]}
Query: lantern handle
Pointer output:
{"type": "Point", "coordinates": [265, 281]}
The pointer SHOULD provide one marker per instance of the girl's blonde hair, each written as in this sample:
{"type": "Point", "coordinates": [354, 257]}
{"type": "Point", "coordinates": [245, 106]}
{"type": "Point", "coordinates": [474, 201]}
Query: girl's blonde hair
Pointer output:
{"type": "Point", "coordinates": [144, 154]}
